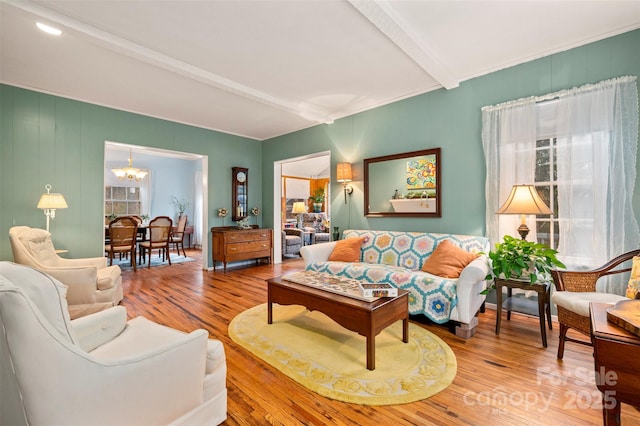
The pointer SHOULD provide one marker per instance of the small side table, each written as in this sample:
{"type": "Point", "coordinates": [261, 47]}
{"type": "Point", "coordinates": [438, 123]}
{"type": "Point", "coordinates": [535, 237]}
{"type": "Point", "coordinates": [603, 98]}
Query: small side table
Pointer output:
{"type": "Point", "coordinates": [523, 305]}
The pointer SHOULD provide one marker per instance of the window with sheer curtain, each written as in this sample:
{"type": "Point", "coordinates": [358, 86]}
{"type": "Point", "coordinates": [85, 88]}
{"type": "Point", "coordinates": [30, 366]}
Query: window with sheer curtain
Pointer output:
{"type": "Point", "coordinates": [594, 130]}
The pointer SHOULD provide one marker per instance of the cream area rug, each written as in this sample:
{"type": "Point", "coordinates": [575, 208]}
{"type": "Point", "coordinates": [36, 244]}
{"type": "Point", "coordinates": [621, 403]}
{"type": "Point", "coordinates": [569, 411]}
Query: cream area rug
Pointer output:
{"type": "Point", "coordinates": [328, 359]}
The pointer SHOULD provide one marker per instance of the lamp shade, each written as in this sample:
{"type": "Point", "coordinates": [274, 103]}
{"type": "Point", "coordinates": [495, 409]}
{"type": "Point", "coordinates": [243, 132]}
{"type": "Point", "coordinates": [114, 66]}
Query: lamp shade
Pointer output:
{"type": "Point", "coordinates": [52, 201]}
{"type": "Point", "coordinates": [524, 199]}
{"type": "Point", "coordinates": [298, 207]}
{"type": "Point", "coordinates": [343, 172]}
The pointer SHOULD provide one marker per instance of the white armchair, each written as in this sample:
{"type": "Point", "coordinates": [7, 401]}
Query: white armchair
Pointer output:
{"type": "Point", "coordinates": [92, 285]}
{"type": "Point", "coordinates": [99, 369]}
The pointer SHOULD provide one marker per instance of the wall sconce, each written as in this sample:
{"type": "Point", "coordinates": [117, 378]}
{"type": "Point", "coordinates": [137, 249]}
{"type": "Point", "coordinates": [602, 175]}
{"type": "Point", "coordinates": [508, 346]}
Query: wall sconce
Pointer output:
{"type": "Point", "coordinates": [344, 176]}
{"type": "Point", "coordinates": [299, 208]}
{"type": "Point", "coordinates": [49, 202]}
{"type": "Point", "coordinates": [524, 200]}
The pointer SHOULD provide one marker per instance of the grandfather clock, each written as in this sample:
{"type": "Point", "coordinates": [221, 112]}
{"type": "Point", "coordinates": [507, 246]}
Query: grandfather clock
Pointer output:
{"type": "Point", "coordinates": [240, 201]}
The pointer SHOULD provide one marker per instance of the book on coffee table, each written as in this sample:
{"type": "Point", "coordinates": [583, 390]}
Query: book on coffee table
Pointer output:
{"type": "Point", "coordinates": [340, 285]}
{"type": "Point", "coordinates": [378, 290]}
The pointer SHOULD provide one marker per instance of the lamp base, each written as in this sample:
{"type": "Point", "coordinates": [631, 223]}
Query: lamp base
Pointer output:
{"type": "Point", "coordinates": [523, 230]}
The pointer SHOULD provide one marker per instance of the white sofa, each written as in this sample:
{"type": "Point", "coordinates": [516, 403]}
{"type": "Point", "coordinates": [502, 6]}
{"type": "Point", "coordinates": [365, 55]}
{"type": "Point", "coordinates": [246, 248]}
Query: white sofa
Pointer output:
{"type": "Point", "coordinates": [99, 369]}
{"type": "Point", "coordinates": [397, 258]}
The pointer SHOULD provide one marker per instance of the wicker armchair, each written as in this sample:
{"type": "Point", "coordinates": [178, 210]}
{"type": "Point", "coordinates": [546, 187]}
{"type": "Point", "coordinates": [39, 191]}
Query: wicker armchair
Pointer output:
{"type": "Point", "coordinates": [575, 290]}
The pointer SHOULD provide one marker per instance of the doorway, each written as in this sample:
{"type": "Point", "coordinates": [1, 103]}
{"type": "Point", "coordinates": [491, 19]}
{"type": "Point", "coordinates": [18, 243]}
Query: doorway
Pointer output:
{"type": "Point", "coordinates": [116, 155]}
{"type": "Point", "coordinates": [309, 167]}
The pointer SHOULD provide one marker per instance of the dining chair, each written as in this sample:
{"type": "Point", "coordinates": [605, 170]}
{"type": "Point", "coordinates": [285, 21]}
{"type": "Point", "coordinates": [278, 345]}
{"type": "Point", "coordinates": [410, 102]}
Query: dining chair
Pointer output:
{"type": "Point", "coordinates": [159, 237]}
{"type": "Point", "coordinates": [122, 238]}
{"type": "Point", "coordinates": [177, 236]}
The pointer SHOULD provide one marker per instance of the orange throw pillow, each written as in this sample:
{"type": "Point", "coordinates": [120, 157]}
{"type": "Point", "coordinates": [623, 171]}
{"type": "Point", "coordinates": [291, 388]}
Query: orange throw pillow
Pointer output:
{"type": "Point", "coordinates": [347, 250]}
{"type": "Point", "coordinates": [448, 260]}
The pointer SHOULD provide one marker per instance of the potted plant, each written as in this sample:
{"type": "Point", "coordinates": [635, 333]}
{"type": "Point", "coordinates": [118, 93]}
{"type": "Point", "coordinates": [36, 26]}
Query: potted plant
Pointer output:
{"type": "Point", "coordinates": [318, 199]}
{"type": "Point", "coordinates": [181, 204]}
{"type": "Point", "coordinates": [522, 260]}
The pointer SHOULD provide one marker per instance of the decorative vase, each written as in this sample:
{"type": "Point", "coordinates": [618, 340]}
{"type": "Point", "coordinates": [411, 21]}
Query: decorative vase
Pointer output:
{"type": "Point", "coordinates": [336, 233]}
{"type": "Point", "coordinates": [317, 207]}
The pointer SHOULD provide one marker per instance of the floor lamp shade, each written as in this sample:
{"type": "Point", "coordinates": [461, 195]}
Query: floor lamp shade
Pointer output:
{"type": "Point", "coordinates": [51, 201]}
{"type": "Point", "coordinates": [524, 200]}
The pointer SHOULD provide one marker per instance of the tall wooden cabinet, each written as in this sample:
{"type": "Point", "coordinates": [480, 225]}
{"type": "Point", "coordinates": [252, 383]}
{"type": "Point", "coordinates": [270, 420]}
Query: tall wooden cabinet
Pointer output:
{"type": "Point", "coordinates": [231, 244]}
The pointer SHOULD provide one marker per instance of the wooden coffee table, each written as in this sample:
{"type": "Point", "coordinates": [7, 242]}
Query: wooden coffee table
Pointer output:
{"type": "Point", "coordinates": [365, 318]}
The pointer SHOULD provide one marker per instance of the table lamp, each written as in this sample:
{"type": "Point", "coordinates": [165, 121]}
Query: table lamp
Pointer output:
{"type": "Point", "coordinates": [524, 200]}
{"type": "Point", "coordinates": [299, 208]}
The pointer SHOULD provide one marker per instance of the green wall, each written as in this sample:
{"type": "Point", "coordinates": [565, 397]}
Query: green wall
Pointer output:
{"type": "Point", "coordinates": [450, 119]}
{"type": "Point", "coordinates": [48, 139]}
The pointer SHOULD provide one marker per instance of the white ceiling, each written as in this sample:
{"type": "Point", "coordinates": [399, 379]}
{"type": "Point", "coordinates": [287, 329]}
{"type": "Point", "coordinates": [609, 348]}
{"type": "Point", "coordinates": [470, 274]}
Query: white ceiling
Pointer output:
{"type": "Point", "coordinates": [313, 168]}
{"type": "Point", "coordinates": [266, 68]}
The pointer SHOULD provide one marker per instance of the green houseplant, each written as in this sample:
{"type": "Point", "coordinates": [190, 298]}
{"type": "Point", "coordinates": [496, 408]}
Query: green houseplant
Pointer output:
{"type": "Point", "coordinates": [318, 198]}
{"type": "Point", "coordinates": [520, 259]}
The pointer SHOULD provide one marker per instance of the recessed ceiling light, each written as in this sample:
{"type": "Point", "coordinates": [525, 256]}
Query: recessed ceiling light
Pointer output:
{"type": "Point", "coordinates": [47, 29]}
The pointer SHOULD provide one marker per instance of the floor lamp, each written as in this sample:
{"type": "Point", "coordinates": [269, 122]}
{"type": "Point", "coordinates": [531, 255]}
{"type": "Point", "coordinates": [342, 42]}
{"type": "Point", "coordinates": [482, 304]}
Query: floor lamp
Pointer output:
{"type": "Point", "coordinates": [49, 202]}
{"type": "Point", "coordinates": [524, 200]}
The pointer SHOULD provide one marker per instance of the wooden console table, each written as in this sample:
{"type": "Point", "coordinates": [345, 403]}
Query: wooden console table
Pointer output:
{"type": "Point", "coordinates": [231, 244]}
{"type": "Point", "coordinates": [616, 354]}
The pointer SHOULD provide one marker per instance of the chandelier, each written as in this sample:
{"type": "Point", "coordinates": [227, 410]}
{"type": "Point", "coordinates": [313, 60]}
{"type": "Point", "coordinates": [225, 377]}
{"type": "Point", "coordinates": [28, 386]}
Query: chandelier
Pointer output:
{"type": "Point", "coordinates": [130, 172]}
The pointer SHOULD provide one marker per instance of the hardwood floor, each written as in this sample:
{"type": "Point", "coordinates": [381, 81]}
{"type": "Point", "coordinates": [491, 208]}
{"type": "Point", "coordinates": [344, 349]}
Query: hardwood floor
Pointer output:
{"type": "Point", "coordinates": [508, 379]}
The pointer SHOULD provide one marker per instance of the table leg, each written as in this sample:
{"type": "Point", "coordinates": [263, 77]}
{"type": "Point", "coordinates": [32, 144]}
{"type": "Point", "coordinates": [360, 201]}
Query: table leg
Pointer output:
{"type": "Point", "coordinates": [611, 416]}
{"type": "Point", "coordinates": [542, 299]}
{"type": "Point", "coordinates": [405, 330]}
{"type": "Point", "coordinates": [548, 301]}
{"type": "Point", "coordinates": [371, 352]}
{"type": "Point", "coordinates": [498, 307]}
{"type": "Point", "coordinates": [269, 306]}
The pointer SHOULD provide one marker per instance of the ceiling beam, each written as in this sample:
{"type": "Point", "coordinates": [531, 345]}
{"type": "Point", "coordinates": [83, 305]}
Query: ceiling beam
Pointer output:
{"type": "Point", "coordinates": [160, 60]}
{"type": "Point", "coordinates": [399, 31]}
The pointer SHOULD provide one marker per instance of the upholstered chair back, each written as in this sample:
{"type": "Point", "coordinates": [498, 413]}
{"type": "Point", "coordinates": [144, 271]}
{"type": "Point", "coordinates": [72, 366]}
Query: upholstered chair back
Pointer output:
{"type": "Point", "coordinates": [46, 293]}
{"type": "Point", "coordinates": [33, 248]}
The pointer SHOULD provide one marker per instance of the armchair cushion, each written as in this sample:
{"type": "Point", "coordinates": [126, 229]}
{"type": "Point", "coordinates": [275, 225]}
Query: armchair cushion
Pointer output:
{"type": "Point", "coordinates": [578, 302]}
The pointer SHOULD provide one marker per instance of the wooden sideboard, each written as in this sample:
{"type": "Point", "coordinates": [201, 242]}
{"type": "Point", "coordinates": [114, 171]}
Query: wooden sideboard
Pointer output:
{"type": "Point", "coordinates": [231, 244]}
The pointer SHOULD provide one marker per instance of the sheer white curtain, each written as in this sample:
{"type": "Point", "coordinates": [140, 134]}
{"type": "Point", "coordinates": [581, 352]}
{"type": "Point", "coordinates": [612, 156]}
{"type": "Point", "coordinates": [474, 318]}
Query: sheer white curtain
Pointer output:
{"type": "Point", "coordinates": [596, 127]}
{"type": "Point", "coordinates": [196, 238]}
{"type": "Point", "coordinates": [508, 139]}
{"type": "Point", "coordinates": [146, 194]}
